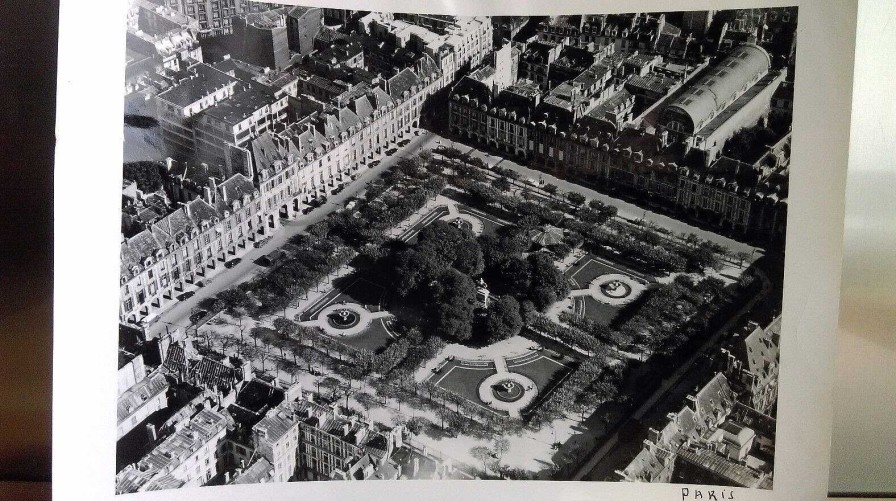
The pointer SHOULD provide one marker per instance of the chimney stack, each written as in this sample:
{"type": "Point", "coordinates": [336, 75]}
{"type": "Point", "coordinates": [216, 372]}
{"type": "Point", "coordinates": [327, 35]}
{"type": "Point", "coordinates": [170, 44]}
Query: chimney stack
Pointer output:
{"type": "Point", "coordinates": [151, 432]}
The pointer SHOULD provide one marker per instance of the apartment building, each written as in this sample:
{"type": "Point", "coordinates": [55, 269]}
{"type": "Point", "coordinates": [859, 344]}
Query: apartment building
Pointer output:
{"type": "Point", "coordinates": [187, 457]}
{"type": "Point", "coordinates": [215, 17]}
{"type": "Point", "coordinates": [181, 248]}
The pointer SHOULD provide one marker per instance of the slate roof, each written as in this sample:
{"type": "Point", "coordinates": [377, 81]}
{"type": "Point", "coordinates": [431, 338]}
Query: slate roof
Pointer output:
{"type": "Point", "coordinates": [651, 82]}
{"type": "Point", "coordinates": [362, 107]}
{"type": "Point", "coordinates": [743, 179]}
{"type": "Point", "coordinates": [427, 66]}
{"type": "Point", "coordinates": [736, 474]}
{"type": "Point", "coordinates": [649, 465]}
{"type": "Point", "coordinates": [168, 230]}
{"type": "Point", "coordinates": [176, 360]}
{"type": "Point", "coordinates": [235, 187]}
{"type": "Point", "coordinates": [762, 349]}
{"type": "Point", "coordinates": [328, 35]}
{"type": "Point", "coordinates": [713, 402]}
{"type": "Point", "coordinates": [213, 374]}
{"type": "Point", "coordinates": [276, 423]}
{"type": "Point", "coordinates": [259, 472]}
{"type": "Point", "coordinates": [135, 396]}
{"type": "Point", "coordinates": [299, 11]}
{"type": "Point", "coordinates": [150, 472]}
{"type": "Point", "coordinates": [381, 98]}
{"type": "Point", "coordinates": [402, 82]}
{"type": "Point", "coordinates": [614, 105]}
{"type": "Point", "coordinates": [705, 413]}
{"type": "Point", "coordinates": [203, 370]}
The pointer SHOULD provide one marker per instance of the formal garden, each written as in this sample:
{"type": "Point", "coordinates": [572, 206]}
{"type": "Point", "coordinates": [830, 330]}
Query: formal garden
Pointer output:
{"type": "Point", "coordinates": [371, 303]}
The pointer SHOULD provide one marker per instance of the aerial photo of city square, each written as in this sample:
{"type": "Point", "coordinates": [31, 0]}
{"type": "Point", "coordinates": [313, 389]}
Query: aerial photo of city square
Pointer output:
{"type": "Point", "coordinates": [384, 246]}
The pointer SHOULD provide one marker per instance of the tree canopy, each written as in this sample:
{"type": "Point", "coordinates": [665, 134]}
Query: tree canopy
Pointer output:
{"type": "Point", "coordinates": [503, 319]}
{"type": "Point", "coordinates": [146, 174]}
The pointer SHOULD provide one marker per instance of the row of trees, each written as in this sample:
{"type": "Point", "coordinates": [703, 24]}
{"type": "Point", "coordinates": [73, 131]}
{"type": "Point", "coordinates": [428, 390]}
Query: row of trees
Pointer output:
{"type": "Point", "coordinates": [659, 324]}
{"type": "Point", "coordinates": [586, 388]}
{"type": "Point", "coordinates": [597, 222]}
{"type": "Point", "coordinates": [571, 336]}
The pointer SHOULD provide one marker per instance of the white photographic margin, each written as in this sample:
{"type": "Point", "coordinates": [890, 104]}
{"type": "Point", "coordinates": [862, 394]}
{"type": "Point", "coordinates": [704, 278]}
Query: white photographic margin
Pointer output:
{"type": "Point", "coordinates": [89, 133]}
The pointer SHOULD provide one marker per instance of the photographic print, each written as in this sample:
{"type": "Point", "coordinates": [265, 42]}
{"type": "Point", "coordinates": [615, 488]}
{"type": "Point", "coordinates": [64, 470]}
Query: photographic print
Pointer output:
{"type": "Point", "coordinates": [385, 246]}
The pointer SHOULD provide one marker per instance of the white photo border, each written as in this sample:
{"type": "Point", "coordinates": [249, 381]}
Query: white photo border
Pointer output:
{"type": "Point", "coordinates": [89, 134]}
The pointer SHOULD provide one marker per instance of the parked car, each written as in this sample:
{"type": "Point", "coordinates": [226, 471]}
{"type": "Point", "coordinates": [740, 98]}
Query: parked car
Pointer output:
{"type": "Point", "coordinates": [198, 315]}
{"type": "Point", "coordinates": [200, 283]}
{"type": "Point", "coordinates": [306, 210]}
{"type": "Point", "coordinates": [233, 262]}
{"type": "Point", "coordinates": [374, 163]}
{"type": "Point", "coordinates": [404, 142]}
{"type": "Point", "coordinates": [186, 295]}
{"type": "Point", "coordinates": [391, 151]}
{"type": "Point", "coordinates": [260, 243]}
{"type": "Point", "coordinates": [271, 258]}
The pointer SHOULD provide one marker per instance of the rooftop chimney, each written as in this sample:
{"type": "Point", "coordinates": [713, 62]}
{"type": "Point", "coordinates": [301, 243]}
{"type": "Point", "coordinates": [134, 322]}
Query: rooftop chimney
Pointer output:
{"type": "Point", "coordinates": [151, 432]}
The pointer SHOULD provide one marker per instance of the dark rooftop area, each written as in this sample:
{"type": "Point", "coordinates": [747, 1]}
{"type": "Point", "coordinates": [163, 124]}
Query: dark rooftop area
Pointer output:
{"type": "Point", "coordinates": [205, 80]}
{"type": "Point", "coordinates": [239, 106]}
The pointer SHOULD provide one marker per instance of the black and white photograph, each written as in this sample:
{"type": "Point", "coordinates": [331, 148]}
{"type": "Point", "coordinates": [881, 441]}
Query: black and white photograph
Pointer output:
{"type": "Point", "coordinates": [363, 245]}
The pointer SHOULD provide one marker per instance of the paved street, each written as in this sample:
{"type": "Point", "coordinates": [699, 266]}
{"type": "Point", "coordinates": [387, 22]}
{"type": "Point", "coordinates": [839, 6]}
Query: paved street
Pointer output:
{"type": "Point", "coordinates": [178, 315]}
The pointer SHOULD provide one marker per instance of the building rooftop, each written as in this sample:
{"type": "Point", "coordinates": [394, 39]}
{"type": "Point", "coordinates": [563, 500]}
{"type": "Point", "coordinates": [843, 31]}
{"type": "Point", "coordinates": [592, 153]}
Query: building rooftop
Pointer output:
{"type": "Point", "coordinates": [240, 106]}
{"type": "Point", "coordinates": [652, 82]}
{"type": "Point", "coordinates": [719, 466]}
{"type": "Point", "coordinates": [143, 391]}
{"type": "Point", "coordinates": [762, 349]}
{"type": "Point", "coordinates": [743, 100]}
{"type": "Point", "coordinates": [266, 20]}
{"type": "Point", "coordinates": [257, 394]}
{"type": "Point", "coordinates": [259, 472]}
{"type": "Point", "coordinates": [204, 81]}
{"type": "Point", "coordinates": [718, 86]}
{"type": "Point", "coordinates": [276, 423]}
{"type": "Point", "coordinates": [154, 470]}
{"type": "Point", "coordinates": [613, 106]}
{"type": "Point", "coordinates": [402, 82]}
{"type": "Point", "coordinates": [166, 12]}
